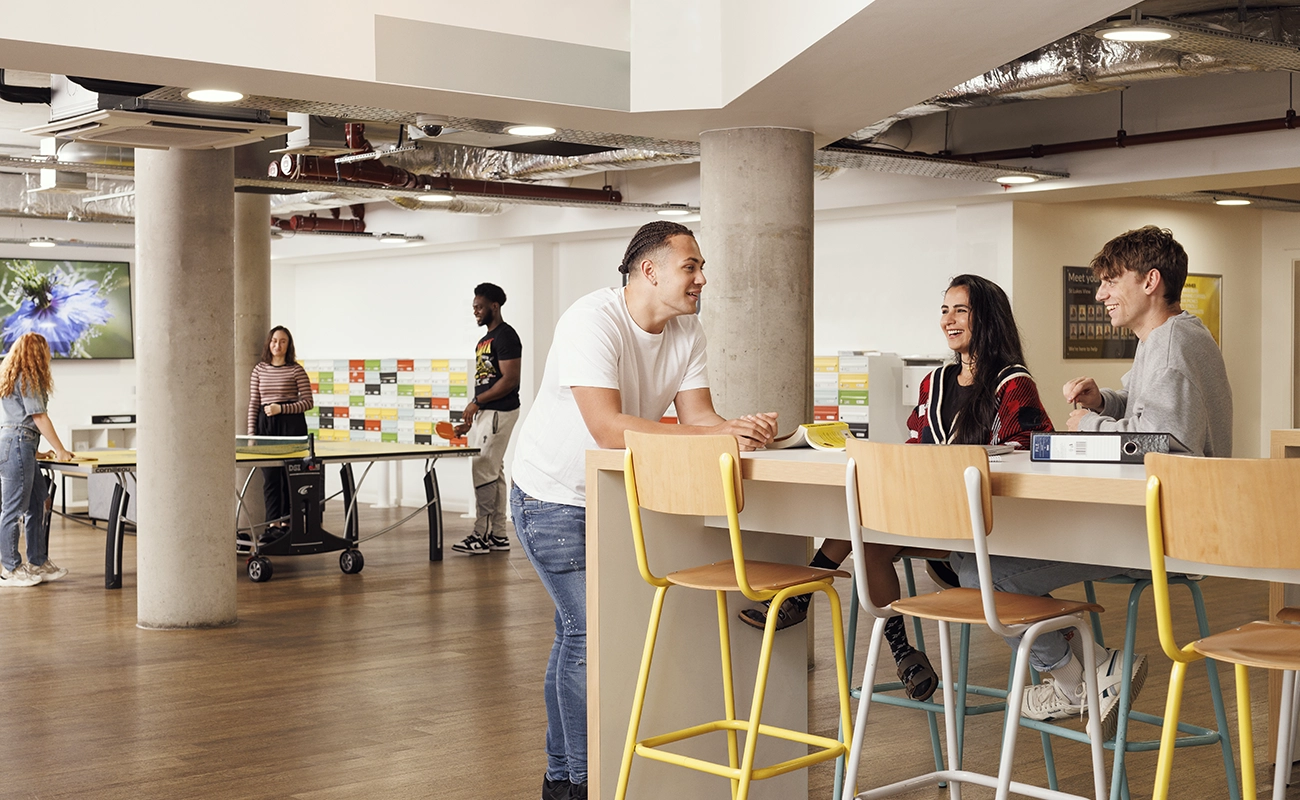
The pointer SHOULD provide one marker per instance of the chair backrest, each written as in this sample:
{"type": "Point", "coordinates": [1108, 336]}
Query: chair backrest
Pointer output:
{"type": "Point", "coordinates": [918, 490]}
{"type": "Point", "coordinates": [681, 474]}
{"type": "Point", "coordinates": [1235, 512]}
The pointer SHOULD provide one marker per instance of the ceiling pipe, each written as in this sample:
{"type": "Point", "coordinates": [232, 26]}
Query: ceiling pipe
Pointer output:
{"type": "Point", "coordinates": [312, 222]}
{"type": "Point", "coordinates": [1123, 139]}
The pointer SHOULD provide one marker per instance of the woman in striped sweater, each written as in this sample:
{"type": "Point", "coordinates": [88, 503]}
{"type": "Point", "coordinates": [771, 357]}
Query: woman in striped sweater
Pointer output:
{"type": "Point", "coordinates": [278, 394]}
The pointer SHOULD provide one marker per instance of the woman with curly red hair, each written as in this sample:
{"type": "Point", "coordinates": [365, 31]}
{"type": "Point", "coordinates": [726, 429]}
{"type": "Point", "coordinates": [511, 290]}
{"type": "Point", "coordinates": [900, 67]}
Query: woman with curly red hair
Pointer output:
{"type": "Point", "coordinates": [25, 387]}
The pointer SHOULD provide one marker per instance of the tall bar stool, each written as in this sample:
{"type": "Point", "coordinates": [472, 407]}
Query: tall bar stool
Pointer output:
{"type": "Point", "coordinates": [1231, 512]}
{"type": "Point", "coordinates": [700, 475]}
{"type": "Point", "coordinates": [943, 493]}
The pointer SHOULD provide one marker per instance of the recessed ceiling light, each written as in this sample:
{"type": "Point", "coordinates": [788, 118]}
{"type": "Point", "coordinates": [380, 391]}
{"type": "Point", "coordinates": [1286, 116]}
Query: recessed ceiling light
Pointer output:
{"type": "Point", "coordinates": [436, 198]}
{"type": "Point", "coordinates": [1135, 30]}
{"type": "Point", "coordinates": [530, 130]}
{"type": "Point", "coordinates": [1231, 201]}
{"type": "Point", "coordinates": [1011, 180]}
{"type": "Point", "coordinates": [41, 241]}
{"type": "Point", "coordinates": [674, 211]}
{"type": "Point", "coordinates": [214, 95]}
{"type": "Point", "coordinates": [392, 238]}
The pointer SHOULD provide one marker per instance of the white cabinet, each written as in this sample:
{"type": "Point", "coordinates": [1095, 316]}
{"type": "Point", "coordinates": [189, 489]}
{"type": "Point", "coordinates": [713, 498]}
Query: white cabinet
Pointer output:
{"type": "Point", "coordinates": [102, 437]}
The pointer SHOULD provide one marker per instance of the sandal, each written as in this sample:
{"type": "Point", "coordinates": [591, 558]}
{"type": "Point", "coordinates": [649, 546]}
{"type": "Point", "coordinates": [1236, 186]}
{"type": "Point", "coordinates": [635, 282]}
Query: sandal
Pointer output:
{"type": "Point", "coordinates": [791, 612]}
{"type": "Point", "coordinates": [919, 680]}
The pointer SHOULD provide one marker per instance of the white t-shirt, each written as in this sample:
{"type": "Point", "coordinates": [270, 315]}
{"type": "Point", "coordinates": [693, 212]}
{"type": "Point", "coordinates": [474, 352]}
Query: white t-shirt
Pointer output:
{"type": "Point", "coordinates": [597, 344]}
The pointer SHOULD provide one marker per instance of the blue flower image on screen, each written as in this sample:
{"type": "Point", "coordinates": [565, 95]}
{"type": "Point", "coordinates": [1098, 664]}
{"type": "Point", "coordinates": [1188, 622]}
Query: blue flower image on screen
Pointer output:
{"type": "Point", "coordinates": [82, 308]}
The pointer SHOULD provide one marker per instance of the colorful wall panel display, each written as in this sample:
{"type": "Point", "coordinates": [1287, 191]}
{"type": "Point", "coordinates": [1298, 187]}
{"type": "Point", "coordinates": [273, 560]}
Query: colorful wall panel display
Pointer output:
{"type": "Point", "coordinates": [386, 399]}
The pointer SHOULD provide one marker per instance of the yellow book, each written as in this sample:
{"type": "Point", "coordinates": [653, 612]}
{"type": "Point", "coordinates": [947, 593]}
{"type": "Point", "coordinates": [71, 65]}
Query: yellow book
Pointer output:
{"type": "Point", "coordinates": [819, 435]}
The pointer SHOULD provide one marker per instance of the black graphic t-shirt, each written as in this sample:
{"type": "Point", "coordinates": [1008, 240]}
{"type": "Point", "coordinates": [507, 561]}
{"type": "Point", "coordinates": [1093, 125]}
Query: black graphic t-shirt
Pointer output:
{"type": "Point", "coordinates": [501, 344]}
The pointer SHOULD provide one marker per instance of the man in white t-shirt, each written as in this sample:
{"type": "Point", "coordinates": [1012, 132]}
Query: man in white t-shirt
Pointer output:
{"type": "Point", "coordinates": [618, 359]}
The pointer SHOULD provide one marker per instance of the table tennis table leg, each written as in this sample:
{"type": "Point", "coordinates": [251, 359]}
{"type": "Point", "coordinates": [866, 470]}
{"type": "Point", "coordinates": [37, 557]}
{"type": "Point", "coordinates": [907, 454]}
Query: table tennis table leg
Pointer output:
{"type": "Point", "coordinates": [352, 530]}
{"type": "Point", "coordinates": [113, 540]}
{"type": "Point", "coordinates": [434, 499]}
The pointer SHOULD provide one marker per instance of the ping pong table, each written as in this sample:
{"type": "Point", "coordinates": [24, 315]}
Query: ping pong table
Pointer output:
{"type": "Point", "coordinates": [305, 459]}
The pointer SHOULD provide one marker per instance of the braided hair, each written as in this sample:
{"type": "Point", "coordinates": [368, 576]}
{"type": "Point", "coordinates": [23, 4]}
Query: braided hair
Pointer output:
{"type": "Point", "coordinates": [648, 239]}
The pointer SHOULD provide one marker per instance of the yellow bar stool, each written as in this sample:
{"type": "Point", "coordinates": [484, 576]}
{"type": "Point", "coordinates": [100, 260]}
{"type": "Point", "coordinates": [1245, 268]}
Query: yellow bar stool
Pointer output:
{"type": "Point", "coordinates": [700, 476]}
{"type": "Point", "coordinates": [1229, 512]}
{"type": "Point", "coordinates": [943, 493]}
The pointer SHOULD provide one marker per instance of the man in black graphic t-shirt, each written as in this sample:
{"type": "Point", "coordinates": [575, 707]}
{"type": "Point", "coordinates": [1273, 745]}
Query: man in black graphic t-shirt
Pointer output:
{"type": "Point", "coordinates": [489, 418]}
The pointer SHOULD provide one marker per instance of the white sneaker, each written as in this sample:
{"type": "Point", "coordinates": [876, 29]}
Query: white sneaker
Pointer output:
{"type": "Point", "coordinates": [1109, 677]}
{"type": "Point", "coordinates": [49, 571]}
{"type": "Point", "coordinates": [1048, 701]}
{"type": "Point", "coordinates": [18, 576]}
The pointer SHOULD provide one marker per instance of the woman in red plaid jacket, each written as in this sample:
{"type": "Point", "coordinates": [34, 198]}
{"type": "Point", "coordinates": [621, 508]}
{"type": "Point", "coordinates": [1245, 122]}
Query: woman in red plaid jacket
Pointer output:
{"type": "Point", "coordinates": [984, 396]}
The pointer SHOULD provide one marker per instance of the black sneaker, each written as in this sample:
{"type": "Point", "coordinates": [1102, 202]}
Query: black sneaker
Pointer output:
{"type": "Point", "coordinates": [471, 546]}
{"type": "Point", "coordinates": [555, 790]}
{"type": "Point", "coordinates": [498, 544]}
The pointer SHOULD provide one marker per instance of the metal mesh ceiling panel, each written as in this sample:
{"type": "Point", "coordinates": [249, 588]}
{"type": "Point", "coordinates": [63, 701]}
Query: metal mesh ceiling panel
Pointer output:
{"type": "Point", "coordinates": [925, 166]}
{"type": "Point", "coordinates": [1263, 53]}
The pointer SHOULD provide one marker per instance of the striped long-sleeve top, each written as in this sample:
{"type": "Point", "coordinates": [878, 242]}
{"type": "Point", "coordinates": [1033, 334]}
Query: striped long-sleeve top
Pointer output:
{"type": "Point", "coordinates": [287, 384]}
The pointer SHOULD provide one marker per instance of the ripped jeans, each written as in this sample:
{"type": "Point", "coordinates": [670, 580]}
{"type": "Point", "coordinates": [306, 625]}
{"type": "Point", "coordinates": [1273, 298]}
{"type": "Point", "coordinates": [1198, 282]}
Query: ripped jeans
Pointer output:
{"type": "Point", "coordinates": [554, 537]}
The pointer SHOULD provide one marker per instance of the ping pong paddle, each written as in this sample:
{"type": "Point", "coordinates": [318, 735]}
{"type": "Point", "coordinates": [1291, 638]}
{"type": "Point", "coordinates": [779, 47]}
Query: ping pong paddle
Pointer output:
{"type": "Point", "coordinates": [445, 429]}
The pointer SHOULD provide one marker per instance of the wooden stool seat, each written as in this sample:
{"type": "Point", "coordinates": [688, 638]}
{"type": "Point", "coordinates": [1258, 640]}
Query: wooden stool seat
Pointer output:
{"type": "Point", "coordinates": [1289, 614]}
{"type": "Point", "coordinates": [966, 606]}
{"type": "Point", "coordinates": [765, 576]}
{"type": "Point", "coordinates": [700, 476]}
{"type": "Point", "coordinates": [1268, 645]}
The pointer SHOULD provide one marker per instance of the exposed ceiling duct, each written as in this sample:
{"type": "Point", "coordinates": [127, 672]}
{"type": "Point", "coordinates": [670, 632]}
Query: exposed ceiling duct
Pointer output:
{"type": "Point", "coordinates": [1223, 42]}
{"type": "Point", "coordinates": [17, 198]}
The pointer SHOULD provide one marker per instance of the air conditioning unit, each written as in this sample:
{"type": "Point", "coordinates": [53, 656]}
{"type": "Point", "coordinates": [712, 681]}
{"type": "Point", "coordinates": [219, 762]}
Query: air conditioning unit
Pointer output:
{"type": "Point", "coordinates": [157, 131]}
{"type": "Point", "coordinates": [122, 119]}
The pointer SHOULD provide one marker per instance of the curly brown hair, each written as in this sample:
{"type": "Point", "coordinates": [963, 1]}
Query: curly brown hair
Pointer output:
{"type": "Point", "coordinates": [29, 359]}
{"type": "Point", "coordinates": [1142, 250]}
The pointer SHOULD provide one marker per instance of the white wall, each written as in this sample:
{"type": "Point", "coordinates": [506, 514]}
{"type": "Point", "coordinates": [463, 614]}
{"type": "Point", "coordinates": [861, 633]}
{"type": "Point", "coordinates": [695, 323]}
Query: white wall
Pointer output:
{"type": "Point", "coordinates": [879, 280]}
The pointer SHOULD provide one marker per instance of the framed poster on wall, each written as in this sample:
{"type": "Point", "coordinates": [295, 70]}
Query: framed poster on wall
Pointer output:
{"type": "Point", "coordinates": [1202, 295]}
{"type": "Point", "coordinates": [1086, 326]}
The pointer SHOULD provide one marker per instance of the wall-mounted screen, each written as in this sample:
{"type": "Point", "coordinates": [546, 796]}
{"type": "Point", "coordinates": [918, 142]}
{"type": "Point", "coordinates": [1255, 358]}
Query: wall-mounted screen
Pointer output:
{"type": "Point", "coordinates": [83, 308]}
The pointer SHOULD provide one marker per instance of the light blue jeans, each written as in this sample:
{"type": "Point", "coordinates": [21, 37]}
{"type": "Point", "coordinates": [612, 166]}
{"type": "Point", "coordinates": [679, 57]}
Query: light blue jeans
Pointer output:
{"type": "Point", "coordinates": [22, 496]}
{"type": "Point", "coordinates": [1031, 576]}
{"type": "Point", "coordinates": [554, 536]}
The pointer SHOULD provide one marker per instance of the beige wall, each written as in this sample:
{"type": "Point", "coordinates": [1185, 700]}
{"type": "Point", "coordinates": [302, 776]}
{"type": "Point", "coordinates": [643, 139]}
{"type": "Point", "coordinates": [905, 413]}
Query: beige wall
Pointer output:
{"type": "Point", "coordinates": [1224, 241]}
{"type": "Point", "coordinates": [1281, 250]}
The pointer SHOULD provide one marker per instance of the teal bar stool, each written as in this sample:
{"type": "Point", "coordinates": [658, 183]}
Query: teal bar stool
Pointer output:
{"type": "Point", "coordinates": [1120, 744]}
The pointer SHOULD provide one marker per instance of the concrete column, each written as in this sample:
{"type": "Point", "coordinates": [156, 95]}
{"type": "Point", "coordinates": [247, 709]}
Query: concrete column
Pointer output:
{"type": "Point", "coordinates": [185, 374]}
{"type": "Point", "coordinates": [756, 200]}
{"type": "Point", "coordinates": [252, 322]}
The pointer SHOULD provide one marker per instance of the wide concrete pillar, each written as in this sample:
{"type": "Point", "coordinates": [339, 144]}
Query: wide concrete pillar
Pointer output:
{"type": "Point", "coordinates": [756, 200]}
{"type": "Point", "coordinates": [252, 322]}
{"type": "Point", "coordinates": [185, 385]}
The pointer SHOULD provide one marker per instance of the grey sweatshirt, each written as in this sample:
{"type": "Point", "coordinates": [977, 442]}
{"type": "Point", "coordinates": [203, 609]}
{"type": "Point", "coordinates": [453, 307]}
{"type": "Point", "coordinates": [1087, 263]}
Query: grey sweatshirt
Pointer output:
{"type": "Point", "coordinates": [1178, 385]}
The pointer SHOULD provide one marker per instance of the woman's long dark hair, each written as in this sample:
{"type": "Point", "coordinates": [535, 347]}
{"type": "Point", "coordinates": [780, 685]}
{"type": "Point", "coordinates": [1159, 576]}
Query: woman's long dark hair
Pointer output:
{"type": "Point", "coordinates": [994, 346]}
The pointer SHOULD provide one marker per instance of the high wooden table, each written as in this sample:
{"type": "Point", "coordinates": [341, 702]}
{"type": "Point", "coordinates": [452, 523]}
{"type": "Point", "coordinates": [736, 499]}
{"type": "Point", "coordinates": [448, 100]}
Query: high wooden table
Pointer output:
{"type": "Point", "coordinates": [1088, 513]}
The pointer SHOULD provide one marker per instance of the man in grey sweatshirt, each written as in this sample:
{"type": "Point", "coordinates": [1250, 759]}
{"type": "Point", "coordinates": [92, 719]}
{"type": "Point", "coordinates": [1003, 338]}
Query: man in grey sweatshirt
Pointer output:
{"type": "Point", "coordinates": [1178, 385]}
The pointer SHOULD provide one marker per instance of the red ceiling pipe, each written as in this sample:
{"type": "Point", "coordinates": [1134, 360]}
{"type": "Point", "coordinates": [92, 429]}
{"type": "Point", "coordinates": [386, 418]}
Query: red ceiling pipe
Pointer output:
{"type": "Point", "coordinates": [314, 223]}
{"type": "Point", "coordinates": [1123, 139]}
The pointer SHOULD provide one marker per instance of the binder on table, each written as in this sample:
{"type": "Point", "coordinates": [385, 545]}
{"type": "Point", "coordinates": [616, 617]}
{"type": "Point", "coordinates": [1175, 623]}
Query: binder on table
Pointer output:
{"type": "Point", "coordinates": [1104, 447]}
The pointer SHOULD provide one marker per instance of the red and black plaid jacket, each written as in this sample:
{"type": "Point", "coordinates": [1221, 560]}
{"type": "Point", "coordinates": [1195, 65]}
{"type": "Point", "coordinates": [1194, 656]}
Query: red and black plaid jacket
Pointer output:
{"type": "Point", "coordinates": [1020, 411]}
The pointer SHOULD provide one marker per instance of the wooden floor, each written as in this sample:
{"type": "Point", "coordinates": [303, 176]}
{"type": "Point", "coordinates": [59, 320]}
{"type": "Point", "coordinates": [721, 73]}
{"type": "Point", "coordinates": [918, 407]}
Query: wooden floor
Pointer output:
{"type": "Point", "coordinates": [411, 680]}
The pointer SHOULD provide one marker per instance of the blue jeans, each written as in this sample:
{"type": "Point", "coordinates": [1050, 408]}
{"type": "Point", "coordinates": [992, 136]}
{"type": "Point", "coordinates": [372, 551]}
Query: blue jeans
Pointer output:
{"type": "Point", "coordinates": [1039, 578]}
{"type": "Point", "coordinates": [22, 496]}
{"type": "Point", "coordinates": [554, 537]}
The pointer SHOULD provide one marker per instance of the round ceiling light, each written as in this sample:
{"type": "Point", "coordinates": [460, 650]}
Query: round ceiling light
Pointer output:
{"type": "Point", "coordinates": [673, 211]}
{"type": "Point", "coordinates": [1231, 201]}
{"type": "Point", "coordinates": [436, 198]}
{"type": "Point", "coordinates": [41, 241]}
{"type": "Point", "coordinates": [392, 238]}
{"type": "Point", "coordinates": [530, 130]}
{"type": "Point", "coordinates": [1012, 180]}
{"type": "Point", "coordinates": [214, 95]}
{"type": "Point", "coordinates": [1135, 32]}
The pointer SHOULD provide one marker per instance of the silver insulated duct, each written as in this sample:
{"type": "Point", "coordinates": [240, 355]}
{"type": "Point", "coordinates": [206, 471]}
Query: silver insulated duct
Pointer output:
{"type": "Point", "coordinates": [1264, 40]}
